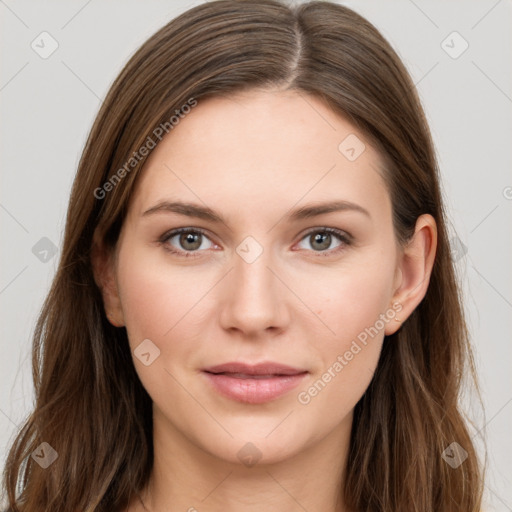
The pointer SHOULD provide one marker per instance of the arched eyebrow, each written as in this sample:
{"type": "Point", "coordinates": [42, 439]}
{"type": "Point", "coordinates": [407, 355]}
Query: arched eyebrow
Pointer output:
{"type": "Point", "coordinates": [205, 213]}
{"type": "Point", "coordinates": [313, 210]}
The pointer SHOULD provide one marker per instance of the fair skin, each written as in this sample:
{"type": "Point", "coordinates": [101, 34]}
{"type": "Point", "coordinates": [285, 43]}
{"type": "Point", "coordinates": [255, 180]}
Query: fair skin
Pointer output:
{"type": "Point", "coordinates": [254, 158]}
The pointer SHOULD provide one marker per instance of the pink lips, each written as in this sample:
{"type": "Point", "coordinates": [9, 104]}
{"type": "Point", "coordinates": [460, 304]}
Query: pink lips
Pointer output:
{"type": "Point", "coordinates": [253, 384]}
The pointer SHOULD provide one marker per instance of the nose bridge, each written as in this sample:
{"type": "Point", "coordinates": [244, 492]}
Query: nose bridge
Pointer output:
{"type": "Point", "coordinates": [254, 300]}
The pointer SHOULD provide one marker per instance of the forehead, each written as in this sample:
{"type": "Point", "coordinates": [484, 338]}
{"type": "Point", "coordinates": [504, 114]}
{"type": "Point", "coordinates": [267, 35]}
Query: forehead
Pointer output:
{"type": "Point", "coordinates": [262, 147]}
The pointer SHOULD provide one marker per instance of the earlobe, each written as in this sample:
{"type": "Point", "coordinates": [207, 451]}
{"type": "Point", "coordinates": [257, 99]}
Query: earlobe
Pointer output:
{"type": "Point", "coordinates": [415, 267]}
{"type": "Point", "coordinates": [103, 266]}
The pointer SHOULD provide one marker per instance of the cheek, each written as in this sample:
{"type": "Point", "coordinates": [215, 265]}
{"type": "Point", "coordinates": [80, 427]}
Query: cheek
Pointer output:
{"type": "Point", "coordinates": [351, 300]}
{"type": "Point", "coordinates": [346, 367]}
{"type": "Point", "coordinates": [157, 298]}
{"type": "Point", "coordinates": [149, 305]}
{"type": "Point", "coordinates": [161, 304]}
{"type": "Point", "coordinates": [355, 310]}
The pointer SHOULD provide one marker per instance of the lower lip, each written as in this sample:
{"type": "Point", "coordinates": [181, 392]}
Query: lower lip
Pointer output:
{"type": "Point", "coordinates": [254, 391]}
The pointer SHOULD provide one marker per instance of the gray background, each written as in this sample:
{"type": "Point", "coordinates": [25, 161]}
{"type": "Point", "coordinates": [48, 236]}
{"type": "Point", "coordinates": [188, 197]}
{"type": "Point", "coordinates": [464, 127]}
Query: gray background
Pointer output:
{"type": "Point", "coordinates": [48, 104]}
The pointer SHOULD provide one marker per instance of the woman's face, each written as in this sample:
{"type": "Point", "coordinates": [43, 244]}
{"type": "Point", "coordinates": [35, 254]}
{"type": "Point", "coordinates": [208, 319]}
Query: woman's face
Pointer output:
{"type": "Point", "coordinates": [272, 283]}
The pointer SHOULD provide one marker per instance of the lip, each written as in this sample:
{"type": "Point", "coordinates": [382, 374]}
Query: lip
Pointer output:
{"type": "Point", "coordinates": [253, 384]}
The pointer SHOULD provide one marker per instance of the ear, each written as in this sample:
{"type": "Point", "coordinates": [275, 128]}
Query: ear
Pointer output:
{"type": "Point", "coordinates": [103, 264]}
{"type": "Point", "coordinates": [414, 269]}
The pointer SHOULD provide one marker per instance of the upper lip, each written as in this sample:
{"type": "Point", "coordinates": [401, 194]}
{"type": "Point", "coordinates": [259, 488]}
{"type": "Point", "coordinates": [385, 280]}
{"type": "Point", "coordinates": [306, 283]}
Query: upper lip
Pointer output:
{"type": "Point", "coordinates": [265, 368]}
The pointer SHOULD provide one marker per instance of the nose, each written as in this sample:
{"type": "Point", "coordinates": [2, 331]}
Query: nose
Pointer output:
{"type": "Point", "coordinates": [255, 300]}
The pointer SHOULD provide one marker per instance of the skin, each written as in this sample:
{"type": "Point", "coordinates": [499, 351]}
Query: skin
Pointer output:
{"type": "Point", "coordinates": [253, 158]}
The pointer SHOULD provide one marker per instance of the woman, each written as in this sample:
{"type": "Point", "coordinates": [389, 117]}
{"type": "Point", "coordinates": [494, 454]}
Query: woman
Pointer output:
{"type": "Point", "coordinates": [255, 308]}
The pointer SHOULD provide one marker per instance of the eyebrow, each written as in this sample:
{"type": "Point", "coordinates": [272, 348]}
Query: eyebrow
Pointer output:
{"type": "Point", "coordinates": [205, 213]}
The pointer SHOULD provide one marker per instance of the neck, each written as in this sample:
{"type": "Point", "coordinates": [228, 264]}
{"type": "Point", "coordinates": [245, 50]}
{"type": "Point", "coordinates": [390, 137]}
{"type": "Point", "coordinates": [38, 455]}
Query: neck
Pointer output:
{"type": "Point", "coordinates": [185, 477]}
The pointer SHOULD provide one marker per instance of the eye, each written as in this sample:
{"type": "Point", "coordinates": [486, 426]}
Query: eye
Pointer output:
{"type": "Point", "coordinates": [189, 241]}
{"type": "Point", "coordinates": [321, 239]}
{"type": "Point", "coordinates": [185, 241]}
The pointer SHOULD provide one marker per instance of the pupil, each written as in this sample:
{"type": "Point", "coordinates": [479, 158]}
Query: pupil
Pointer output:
{"type": "Point", "coordinates": [190, 240]}
{"type": "Point", "coordinates": [325, 237]}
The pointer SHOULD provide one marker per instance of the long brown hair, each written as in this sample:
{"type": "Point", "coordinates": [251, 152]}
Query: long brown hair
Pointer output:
{"type": "Point", "coordinates": [92, 409]}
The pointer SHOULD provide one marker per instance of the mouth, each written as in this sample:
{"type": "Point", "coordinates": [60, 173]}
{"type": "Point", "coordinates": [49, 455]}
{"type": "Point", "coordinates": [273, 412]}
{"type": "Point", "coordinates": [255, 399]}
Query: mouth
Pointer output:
{"type": "Point", "coordinates": [253, 384]}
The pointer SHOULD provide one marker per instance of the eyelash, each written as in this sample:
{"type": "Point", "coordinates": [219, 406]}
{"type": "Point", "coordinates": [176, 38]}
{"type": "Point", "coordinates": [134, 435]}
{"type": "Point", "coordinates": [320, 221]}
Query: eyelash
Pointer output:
{"type": "Point", "coordinates": [342, 236]}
